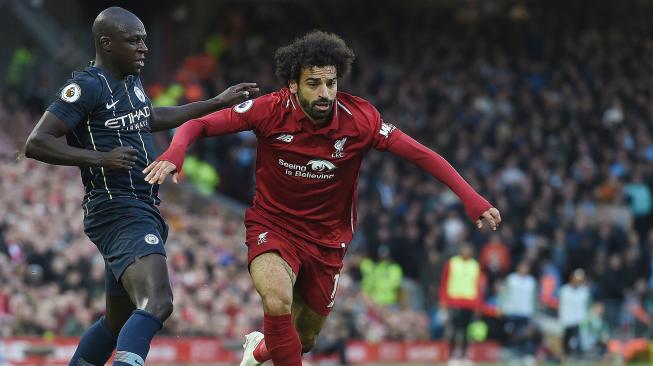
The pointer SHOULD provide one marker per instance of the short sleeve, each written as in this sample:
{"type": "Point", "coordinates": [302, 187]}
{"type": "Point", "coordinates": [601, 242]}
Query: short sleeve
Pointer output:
{"type": "Point", "coordinates": [76, 99]}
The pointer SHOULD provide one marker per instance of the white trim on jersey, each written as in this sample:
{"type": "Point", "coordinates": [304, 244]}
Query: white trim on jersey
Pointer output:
{"type": "Point", "coordinates": [147, 159]}
{"type": "Point", "coordinates": [106, 186]}
{"type": "Point", "coordinates": [106, 81]}
{"type": "Point", "coordinates": [345, 108]}
{"type": "Point", "coordinates": [291, 102]}
{"type": "Point", "coordinates": [113, 107]}
{"type": "Point", "coordinates": [131, 182]}
{"type": "Point", "coordinates": [351, 214]}
{"type": "Point", "coordinates": [87, 199]}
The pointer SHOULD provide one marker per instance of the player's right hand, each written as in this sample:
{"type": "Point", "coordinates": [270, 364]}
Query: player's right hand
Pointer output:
{"type": "Point", "coordinates": [159, 170]}
{"type": "Point", "coordinates": [122, 157]}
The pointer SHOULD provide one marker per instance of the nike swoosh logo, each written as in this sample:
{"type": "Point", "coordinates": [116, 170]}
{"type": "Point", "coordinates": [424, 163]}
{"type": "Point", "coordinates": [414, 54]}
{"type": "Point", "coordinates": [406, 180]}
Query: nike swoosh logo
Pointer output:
{"type": "Point", "coordinates": [109, 106]}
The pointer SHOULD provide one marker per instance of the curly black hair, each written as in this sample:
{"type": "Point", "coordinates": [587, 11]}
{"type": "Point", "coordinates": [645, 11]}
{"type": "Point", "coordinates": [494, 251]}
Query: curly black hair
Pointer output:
{"type": "Point", "coordinates": [316, 48]}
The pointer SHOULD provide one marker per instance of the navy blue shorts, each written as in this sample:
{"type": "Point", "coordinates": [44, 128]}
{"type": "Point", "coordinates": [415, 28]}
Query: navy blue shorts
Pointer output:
{"type": "Point", "coordinates": [124, 229]}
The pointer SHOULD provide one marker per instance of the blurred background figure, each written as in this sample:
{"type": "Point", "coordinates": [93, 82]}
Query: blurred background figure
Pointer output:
{"type": "Point", "coordinates": [518, 306]}
{"type": "Point", "coordinates": [381, 278]}
{"type": "Point", "coordinates": [594, 333]}
{"type": "Point", "coordinates": [461, 293]}
{"type": "Point", "coordinates": [575, 302]}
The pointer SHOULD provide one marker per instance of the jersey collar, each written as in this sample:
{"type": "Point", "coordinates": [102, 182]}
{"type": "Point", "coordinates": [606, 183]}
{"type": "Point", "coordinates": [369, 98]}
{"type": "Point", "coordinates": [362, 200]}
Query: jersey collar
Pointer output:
{"type": "Point", "coordinates": [129, 79]}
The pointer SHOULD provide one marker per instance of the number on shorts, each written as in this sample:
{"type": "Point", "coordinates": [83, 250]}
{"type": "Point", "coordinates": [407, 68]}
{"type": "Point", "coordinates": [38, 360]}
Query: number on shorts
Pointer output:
{"type": "Point", "coordinates": [336, 278]}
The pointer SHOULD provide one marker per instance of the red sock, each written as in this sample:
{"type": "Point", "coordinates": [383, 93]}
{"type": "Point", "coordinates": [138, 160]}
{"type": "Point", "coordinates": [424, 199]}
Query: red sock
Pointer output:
{"type": "Point", "coordinates": [282, 341]}
{"type": "Point", "coordinates": [261, 353]}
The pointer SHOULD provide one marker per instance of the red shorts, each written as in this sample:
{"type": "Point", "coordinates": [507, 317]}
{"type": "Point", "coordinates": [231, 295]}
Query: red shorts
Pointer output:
{"type": "Point", "coordinates": [317, 267]}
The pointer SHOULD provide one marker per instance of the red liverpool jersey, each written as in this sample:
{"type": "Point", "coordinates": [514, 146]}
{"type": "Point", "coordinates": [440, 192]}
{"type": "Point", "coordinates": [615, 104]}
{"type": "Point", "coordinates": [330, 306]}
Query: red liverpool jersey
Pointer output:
{"type": "Point", "coordinates": [307, 176]}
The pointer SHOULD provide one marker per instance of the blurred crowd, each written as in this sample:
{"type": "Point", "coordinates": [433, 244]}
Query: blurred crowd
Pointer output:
{"type": "Point", "coordinates": [547, 110]}
{"type": "Point", "coordinates": [52, 275]}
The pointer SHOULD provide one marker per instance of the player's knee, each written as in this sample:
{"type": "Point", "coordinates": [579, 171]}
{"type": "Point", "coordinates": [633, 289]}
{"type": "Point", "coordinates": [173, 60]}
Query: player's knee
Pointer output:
{"type": "Point", "coordinates": [160, 306]}
{"type": "Point", "coordinates": [276, 304]}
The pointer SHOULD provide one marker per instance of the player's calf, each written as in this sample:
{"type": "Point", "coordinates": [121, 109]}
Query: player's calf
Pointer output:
{"type": "Point", "coordinates": [308, 322]}
{"type": "Point", "coordinates": [308, 341]}
{"type": "Point", "coordinates": [273, 280]}
{"type": "Point", "coordinates": [146, 281]}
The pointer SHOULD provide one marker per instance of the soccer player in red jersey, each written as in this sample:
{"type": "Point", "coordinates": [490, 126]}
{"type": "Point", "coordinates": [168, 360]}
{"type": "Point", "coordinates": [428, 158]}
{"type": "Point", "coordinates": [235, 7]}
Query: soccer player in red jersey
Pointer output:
{"type": "Point", "coordinates": [311, 140]}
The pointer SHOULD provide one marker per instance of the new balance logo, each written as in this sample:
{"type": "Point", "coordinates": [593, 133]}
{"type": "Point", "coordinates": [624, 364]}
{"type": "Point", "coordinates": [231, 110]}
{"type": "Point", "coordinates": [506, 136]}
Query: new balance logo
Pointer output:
{"type": "Point", "coordinates": [109, 106]}
{"type": "Point", "coordinates": [262, 238]}
{"type": "Point", "coordinates": [285, 138]}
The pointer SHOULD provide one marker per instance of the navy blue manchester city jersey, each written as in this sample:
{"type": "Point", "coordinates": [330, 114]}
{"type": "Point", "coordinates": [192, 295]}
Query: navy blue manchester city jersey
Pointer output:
{"type": "Point", "coordinates": [104, 113]}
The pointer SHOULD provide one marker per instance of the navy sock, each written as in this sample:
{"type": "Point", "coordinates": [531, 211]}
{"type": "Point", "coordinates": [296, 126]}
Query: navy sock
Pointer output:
{"type": "Point", "coordinates": [135, 337]}
{"type": "Point", "coordinates": [95, 346]}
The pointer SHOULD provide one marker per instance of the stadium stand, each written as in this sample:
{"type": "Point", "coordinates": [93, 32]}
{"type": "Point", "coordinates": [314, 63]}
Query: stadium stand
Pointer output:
{"type": "Point", "coordinates": [545, 108]}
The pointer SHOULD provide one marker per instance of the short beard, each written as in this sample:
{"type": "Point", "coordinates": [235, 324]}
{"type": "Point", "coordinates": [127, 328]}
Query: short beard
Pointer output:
{"type": "Point", "coordinates": [306, 105]}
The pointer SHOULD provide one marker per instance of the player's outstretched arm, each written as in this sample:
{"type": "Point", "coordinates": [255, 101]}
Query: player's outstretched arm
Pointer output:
{"type": "Point", "coordinates": [478, 209]}
{"type": "Point", "coordinates": [214, 124]}
{"type": "Point", "coordinates": [44, 144]}
{"type": "Point", "coordinates": [165, 118]}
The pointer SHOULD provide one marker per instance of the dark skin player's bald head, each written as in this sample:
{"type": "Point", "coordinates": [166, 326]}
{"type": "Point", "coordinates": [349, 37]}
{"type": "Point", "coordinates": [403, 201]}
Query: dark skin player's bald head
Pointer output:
{"type": "Point", "coordinates": [111, 21]}
{"type": "Point", "coordinates": [119, 42]}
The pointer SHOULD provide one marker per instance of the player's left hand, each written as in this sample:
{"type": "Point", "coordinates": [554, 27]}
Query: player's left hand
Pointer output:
{"type": "Point", "coordinates": [236, 94]}
{"type": "Point", "coordinates": [159, 170]}
{"type": "Point", "coordinates": [492, 216]}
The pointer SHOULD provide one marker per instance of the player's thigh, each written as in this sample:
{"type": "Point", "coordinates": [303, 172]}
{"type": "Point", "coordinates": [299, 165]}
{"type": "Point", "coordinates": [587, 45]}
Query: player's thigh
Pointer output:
{"type": "Point", "coordinates": [273, 279]}
{"type": "Point", "coordinates": [273, 265]}
{"type": "Point", "coordinates": [307, 322]}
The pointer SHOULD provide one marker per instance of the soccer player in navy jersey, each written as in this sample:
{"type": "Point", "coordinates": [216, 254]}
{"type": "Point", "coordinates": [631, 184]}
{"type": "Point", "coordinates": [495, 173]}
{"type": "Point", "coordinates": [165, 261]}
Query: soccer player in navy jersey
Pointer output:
{"type": "Point", "coordinates": [311, 140]}
{"type": "Point", "coordinates": [107, 119]}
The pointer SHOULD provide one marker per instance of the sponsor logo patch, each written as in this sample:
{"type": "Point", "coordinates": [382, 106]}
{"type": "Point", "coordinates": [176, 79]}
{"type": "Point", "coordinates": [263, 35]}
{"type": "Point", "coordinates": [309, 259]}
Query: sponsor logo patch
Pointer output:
{"type": "Point", "coordinates": [321, 165]}
{"type": "Point", "coordinates": [339, 146]}
{"type": "Point", "coordinates": [151, 239]}
{"type": "Point", "coordinates": [139, 94]}
{"type": "Point", "coordinates": [112, 105]}
{"type": "Point", "coordinates": [386, 129]}
{"type": "Point", "coordinates": [135, 120]}
{"type": "Point", "coordinates": [244, 106]}
{"type": "Point", "coordinates": [70, 93]}
{"type": "Point", "coordinates": [285, 138]}
{"type": "Point", "coordinates": [314, 169]}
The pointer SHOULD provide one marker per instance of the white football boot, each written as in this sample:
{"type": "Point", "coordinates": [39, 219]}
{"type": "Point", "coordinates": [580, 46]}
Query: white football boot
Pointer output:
{"type": "Point", "coordinates": [251, 341]}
